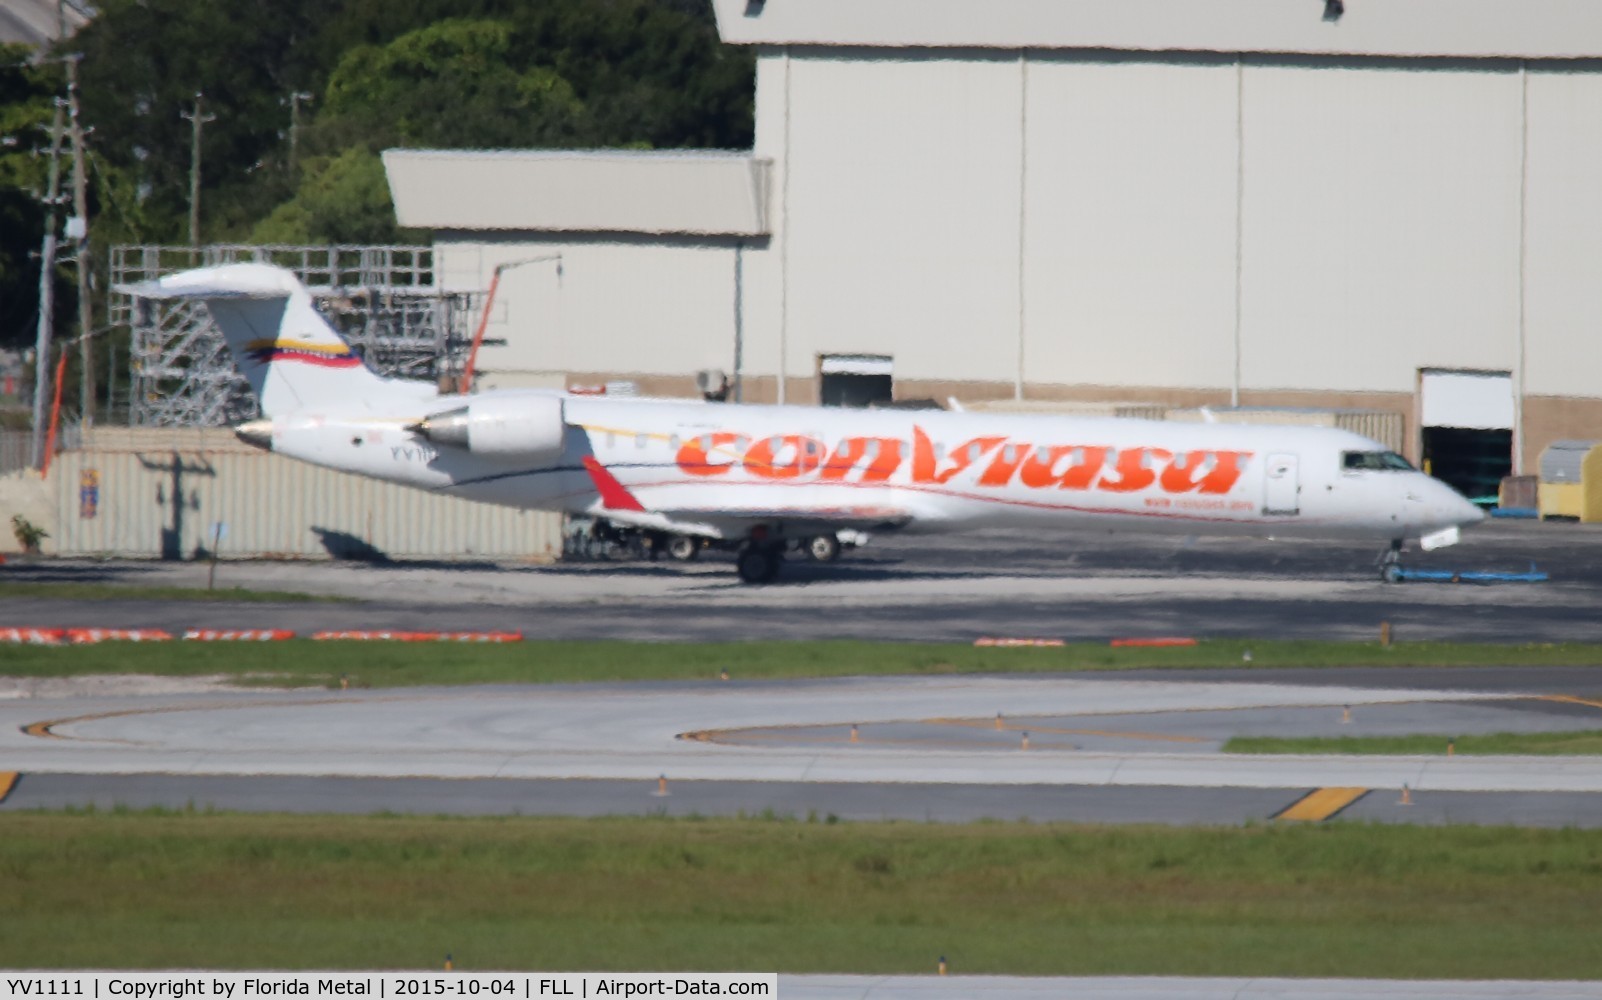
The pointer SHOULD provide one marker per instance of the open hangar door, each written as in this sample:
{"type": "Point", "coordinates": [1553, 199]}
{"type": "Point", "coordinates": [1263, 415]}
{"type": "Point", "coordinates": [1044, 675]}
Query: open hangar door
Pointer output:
{"type": "Point", "coordinates": [855, 379]}
{"type": "Point", "coordinates": [1467, 423]}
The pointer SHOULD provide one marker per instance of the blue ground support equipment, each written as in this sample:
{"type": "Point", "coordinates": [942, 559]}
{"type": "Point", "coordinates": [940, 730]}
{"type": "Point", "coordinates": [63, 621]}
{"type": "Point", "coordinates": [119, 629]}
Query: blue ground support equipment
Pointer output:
{"type": "Point", "coordinates": [1397, 573]}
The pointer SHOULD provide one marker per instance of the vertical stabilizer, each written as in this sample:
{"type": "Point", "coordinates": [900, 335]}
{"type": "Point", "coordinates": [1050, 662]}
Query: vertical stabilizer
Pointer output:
{"type": "Point", "coordinates": [288, 353]}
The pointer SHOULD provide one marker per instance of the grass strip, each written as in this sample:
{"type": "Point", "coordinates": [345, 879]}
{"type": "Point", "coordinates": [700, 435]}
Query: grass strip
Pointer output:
{"type": "Point", "coordinates": [1576, 742]}
{"type": "Point", "coordinates": [391, 664]}
{"type": "Point", "coordinates": [123, 592]}
{"type": "Point", "coordinates": [139, 890]}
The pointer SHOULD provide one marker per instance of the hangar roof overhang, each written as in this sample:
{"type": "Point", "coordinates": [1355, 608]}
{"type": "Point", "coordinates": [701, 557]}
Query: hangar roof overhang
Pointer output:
{"type": "Point", "coordinates": [711, 193]}
{"type": "Point", "coordinates": [1516, 29]}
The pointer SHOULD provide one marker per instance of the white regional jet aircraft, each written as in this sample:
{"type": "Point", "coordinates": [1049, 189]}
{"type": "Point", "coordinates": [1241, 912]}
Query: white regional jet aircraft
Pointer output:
{"type": "Point", "coordinates": [761, 478]}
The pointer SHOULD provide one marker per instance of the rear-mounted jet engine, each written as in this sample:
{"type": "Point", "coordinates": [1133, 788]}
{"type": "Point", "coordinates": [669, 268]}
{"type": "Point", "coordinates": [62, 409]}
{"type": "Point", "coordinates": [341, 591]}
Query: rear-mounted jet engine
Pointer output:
{"type": "Point", "coordinates": [529, 427]}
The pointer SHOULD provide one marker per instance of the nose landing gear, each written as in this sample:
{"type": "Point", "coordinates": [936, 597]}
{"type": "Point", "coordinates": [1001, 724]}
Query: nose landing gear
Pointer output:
{"type": "Point", "coordinates": [1390, 562]}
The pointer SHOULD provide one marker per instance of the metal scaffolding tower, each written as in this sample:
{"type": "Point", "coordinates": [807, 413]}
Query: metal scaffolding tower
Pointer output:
{"type": "Point", "coordinates": [382, 299]}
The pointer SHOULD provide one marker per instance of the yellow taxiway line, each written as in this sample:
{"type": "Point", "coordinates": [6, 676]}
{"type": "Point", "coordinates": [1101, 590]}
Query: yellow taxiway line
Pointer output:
{"type": "Point", "coordinates": [8, 780]}
{"type": "Point", "coordinates": [1321, 803]}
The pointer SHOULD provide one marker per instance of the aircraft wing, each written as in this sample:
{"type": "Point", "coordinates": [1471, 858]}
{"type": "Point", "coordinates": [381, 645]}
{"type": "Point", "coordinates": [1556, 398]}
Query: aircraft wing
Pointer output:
{"type": "Point", "coordinates": [724, 521]}
{"type": "Point", "coordinates": [861, 518]}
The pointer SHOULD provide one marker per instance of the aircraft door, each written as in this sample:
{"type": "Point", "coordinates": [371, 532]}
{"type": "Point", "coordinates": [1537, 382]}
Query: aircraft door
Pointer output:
{"type": "Point", "coordinates": [1281, 485]}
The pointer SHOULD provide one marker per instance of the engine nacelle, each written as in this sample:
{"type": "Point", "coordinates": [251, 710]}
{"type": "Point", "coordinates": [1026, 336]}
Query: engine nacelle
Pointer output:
{"type": "Point", "coordinates": [522, 426]}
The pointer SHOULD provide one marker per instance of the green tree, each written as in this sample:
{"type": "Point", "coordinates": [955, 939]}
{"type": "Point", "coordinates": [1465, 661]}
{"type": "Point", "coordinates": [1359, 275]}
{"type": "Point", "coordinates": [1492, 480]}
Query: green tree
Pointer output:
{"type": "Point", "coordinates": [342, 199]}
{"type": "Point", "coordinates": [144, 61]}
{"type": "Point", "coordinates": [651, 72]}
{"type": "Point", "coordinates": [451, 84]}
{"type": "Point", "coordinates": [443, 73]}
{"type": "Point", "coordinates": [27, 104]}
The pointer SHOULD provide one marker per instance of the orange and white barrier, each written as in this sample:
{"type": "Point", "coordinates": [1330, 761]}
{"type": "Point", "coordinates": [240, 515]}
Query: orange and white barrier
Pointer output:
{"type": "Point", "coordinates": [86, 636]}
{"type": "Point", "coordinates": [988, 641]}
{"type": "Point", "coordinates": [34, 636]}
{"type": "Point", "coordinates": [238, 635]}
{"type": "Point", "coordinates": [1162, 641]}
{"type": "Point", "coordinates": [398, 636]}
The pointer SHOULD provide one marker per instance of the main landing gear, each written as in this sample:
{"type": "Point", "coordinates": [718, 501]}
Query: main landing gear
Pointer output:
{"type": "Point", "coordinates": [758, 562]}
{"type": "Point", "coordinates": [759, 559]}
{"type": "Point", "coordinates": [683, 548]}
{"type": "Point", "coordinates": [823, 548]}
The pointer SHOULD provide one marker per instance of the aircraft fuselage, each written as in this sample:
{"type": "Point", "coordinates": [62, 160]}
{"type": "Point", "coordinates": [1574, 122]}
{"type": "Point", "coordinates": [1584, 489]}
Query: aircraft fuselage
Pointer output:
{"type": "Point", "coordinates": [926, 470]}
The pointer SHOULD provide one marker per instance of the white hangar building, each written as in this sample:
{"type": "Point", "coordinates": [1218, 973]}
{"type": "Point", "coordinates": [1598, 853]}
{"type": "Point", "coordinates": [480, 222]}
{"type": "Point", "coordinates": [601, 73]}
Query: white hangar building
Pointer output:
{"type": "Point", "coordinates": [1388, 205]}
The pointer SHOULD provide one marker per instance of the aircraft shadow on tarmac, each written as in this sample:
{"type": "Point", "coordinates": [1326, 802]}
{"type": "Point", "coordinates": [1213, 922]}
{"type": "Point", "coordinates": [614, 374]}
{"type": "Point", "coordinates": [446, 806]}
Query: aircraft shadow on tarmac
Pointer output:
{"type": "Point", "coordinates": [795, 571]}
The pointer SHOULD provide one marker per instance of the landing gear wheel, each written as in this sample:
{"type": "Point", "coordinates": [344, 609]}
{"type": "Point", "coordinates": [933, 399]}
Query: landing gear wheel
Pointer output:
{"type": "Point", "coordinates": [683, 548]}
{"type": "Point", "coordinates": [757, 564]}
{"type": "Point", "coordinates": [1390, 562]}
{"type": "Point", "coordinates": [823, 548]}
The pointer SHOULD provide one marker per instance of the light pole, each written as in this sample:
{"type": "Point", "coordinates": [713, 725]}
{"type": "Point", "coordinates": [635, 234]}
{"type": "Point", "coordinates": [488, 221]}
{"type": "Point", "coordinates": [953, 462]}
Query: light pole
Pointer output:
{"type": "Point", "coordinates": [80, 235]}
{"type": "Point", "coordinates": [47, 298]}
{"type": "Point", "coordinates": [294, 126]}
{"type": "Point", "coordinates": [198, 119]}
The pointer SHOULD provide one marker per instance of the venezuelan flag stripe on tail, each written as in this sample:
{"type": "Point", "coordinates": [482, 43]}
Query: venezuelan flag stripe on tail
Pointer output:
{"type": "Point", "coordinates": [321, 355]}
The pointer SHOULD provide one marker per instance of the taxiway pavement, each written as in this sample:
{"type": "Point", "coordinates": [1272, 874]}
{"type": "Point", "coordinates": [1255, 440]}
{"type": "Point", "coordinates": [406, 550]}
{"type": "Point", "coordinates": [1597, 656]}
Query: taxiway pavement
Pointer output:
{"type": "Point", "coordinates": [1076, 585]}
{"type": "Point", "coordinates": [785, 748]}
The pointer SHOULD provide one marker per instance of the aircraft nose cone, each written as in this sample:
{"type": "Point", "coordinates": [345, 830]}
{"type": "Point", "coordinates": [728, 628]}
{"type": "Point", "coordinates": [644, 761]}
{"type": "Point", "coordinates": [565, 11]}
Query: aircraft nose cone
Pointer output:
{"type": "Point", "coordinates": [256, 432]}
{"type": "Point", "coordinates": [1457, 509]}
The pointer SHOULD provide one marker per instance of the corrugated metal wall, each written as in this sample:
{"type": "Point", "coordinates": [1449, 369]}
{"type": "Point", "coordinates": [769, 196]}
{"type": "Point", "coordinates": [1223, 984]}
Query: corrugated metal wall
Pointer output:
{"type": "Point", "coordinates": [156, 494]}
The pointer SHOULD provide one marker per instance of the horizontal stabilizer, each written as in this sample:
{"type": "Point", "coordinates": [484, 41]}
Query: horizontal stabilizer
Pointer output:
{"type": "Point", "coordinates": [229, 281]}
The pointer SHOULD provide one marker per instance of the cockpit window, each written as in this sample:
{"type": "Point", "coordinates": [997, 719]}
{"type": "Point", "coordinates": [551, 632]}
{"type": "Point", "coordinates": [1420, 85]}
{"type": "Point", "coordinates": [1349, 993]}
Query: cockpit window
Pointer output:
{"type": "Point", "coordinates": [1374, 461]}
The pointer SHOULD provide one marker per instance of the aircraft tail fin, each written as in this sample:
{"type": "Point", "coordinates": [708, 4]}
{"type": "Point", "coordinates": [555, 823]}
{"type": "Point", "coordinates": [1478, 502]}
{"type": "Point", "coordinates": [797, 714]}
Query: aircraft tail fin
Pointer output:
{"type": "Point", "coordinates": [284, 347]}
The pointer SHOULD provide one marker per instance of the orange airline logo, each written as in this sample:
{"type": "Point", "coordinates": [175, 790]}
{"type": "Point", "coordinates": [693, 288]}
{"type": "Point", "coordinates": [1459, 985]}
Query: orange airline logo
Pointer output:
{"type": "Point", "coordinates": [996, 461]}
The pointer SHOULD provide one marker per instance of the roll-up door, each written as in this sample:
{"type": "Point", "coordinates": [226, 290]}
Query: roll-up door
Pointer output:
{"type": "Point", "coordinates": [1467, 420]}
